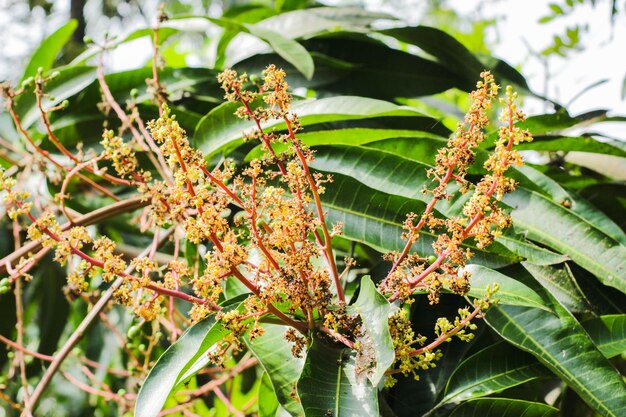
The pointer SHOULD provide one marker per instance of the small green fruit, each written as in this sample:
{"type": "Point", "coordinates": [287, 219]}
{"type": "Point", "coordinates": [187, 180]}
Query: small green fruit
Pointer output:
{"type": "Point", "coordinates": [134, 92]}
{"type": "Point", "coordinates": [4, 290]}
{"type": "Point", "coordinates": [4, 282]}
{"type": "Point", "coordinates": [133, 331]}
{"type": "Point", "coordinates": [432, 259]}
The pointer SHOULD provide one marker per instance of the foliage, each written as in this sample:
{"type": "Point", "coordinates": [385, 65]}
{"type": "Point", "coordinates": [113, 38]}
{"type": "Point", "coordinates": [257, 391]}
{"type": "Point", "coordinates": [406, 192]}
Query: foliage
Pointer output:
{"type": "Point", "coordinates": [244, 239]}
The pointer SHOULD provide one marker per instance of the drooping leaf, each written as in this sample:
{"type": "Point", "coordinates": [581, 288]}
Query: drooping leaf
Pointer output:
{"type": "Point", "coordinates": [491, 370]}
{"type": "Point", "coordinates": [573, 143]}
{"type": "Point", "coordinates": [304, 24]}
{"type": "Point", "coordinates": [560, 343]}
{"type": "Point", "coordinates": [283, 369]}
{"type": "Point", "coordinates": [563, 230]}
{"type": "Point", "coordinates": [329, 384]}
{"type": "Point", "coordinates": [287, 48]}
{"type": "Point", "coordinates": [171, 368]}
{"type": "Point", "coordinates": [376, 354]}
{"type": "Point", "coordinates": [561, 284]}
{"type": "Point", "coordinates": [608, 333]}
{"type": "Point", "coordinates": [503, 407]}
{"type": "Point", "coordinates": [47, 51]}
{"type": "Point", "coordinates": [442, 46]}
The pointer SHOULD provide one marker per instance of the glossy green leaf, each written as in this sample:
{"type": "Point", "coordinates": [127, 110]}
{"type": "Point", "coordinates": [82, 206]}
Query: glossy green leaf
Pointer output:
{"type": "Point", "coordinates": [329, 384]}
{"type": "Point", "coordinates": [349, 136]}
{"type": "Point", "coordinates": [562, 285]}
{"type": "Point", "coordinates": [268, 403]}
{"type": "Point", "coordinates": [220, 128]}
{"type": "Point", "coordinates": [283, 369]}
{"type": "Point", "coordinates": [559, 342]}
{"type": "Point", "coordinates": [383, 171]}
{"type": "Point", "coordinates": [528, 250]}
{"type": "Point", "coordinates": [511, 292]}
{"type": "Point", "coordinates": [503, 407]}
{"type": "Point", "coordinates": [377, 353]}
{"type": "Point", "coordinates": [609, 333]}
{"type": "Point", "coordinates": [47, 51]}
{"type": "Point", "coordinates": [171, 368]}
{"type": "Point", "coordinates": [573, 143]}
{"type": "Point", "coordinates": [563, 230]}
{"type": "Point", "coordinates": [491, 370]}
{"type": "Point", "coordinates": [597, 218]}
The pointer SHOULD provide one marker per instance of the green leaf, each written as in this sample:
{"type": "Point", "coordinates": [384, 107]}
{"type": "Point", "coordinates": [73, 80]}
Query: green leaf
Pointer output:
{"type": "Point", "coordinates": [47, 51]}
{"type": "Point", "coordinates": [590, 213]}
{"type": "Point", "coordinates": [491, 370]}
{"type": "Point", "coordinates": [268, 403]}
{"type": "Point", "coordinates": [376, 354]}
{"type": "Point", "coordinates": [329, 384]}
{"type": "Point", "coordinates": [511, 292]}
{"type": "Point", "coordinates": [503, 407]}
{"type": "Point", "coordinates": [282, 368]}
{"type": "Point", "coordinates": [559, 342]}
{"type": "Point", "coordinates": [608, 333]}
{"type": "Point", "coordinates": [287, 48]}
{"type": "Point", "coordinates": [171, 368]}
{"type": "Point", "coordinates": [573, 143]}
{"type": "Point", "coordinates": [562, 285]}
{"type": "Point", "coordinates": [556, 9]}
{"type": "Point", "coordinates": [528, 250]}
{"type": "Point", "coordinates": [220, 128]}
{"type": "Point", "coordinates": [349, 136]}
{"type": "Point", "coordinates": [445, 48]}
{"type": "Point", "coordinates": [567, 232]}
{"type": "Point", "coordinates": [384, 172]}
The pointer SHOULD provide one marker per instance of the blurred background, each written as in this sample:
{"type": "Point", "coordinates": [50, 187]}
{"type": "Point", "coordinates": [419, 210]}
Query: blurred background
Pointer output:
{"type": "Point", "coordinates": [571, 51]}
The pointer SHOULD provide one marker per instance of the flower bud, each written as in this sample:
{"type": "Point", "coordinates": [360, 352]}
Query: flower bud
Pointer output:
{"type": "Point", "coordinates": [27, 82]}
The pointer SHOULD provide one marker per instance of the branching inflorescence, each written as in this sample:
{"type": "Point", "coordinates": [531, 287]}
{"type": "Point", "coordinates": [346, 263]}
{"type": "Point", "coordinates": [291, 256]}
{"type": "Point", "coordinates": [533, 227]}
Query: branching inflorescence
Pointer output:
{"type": "Point", "coordinates": [274, 241]}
